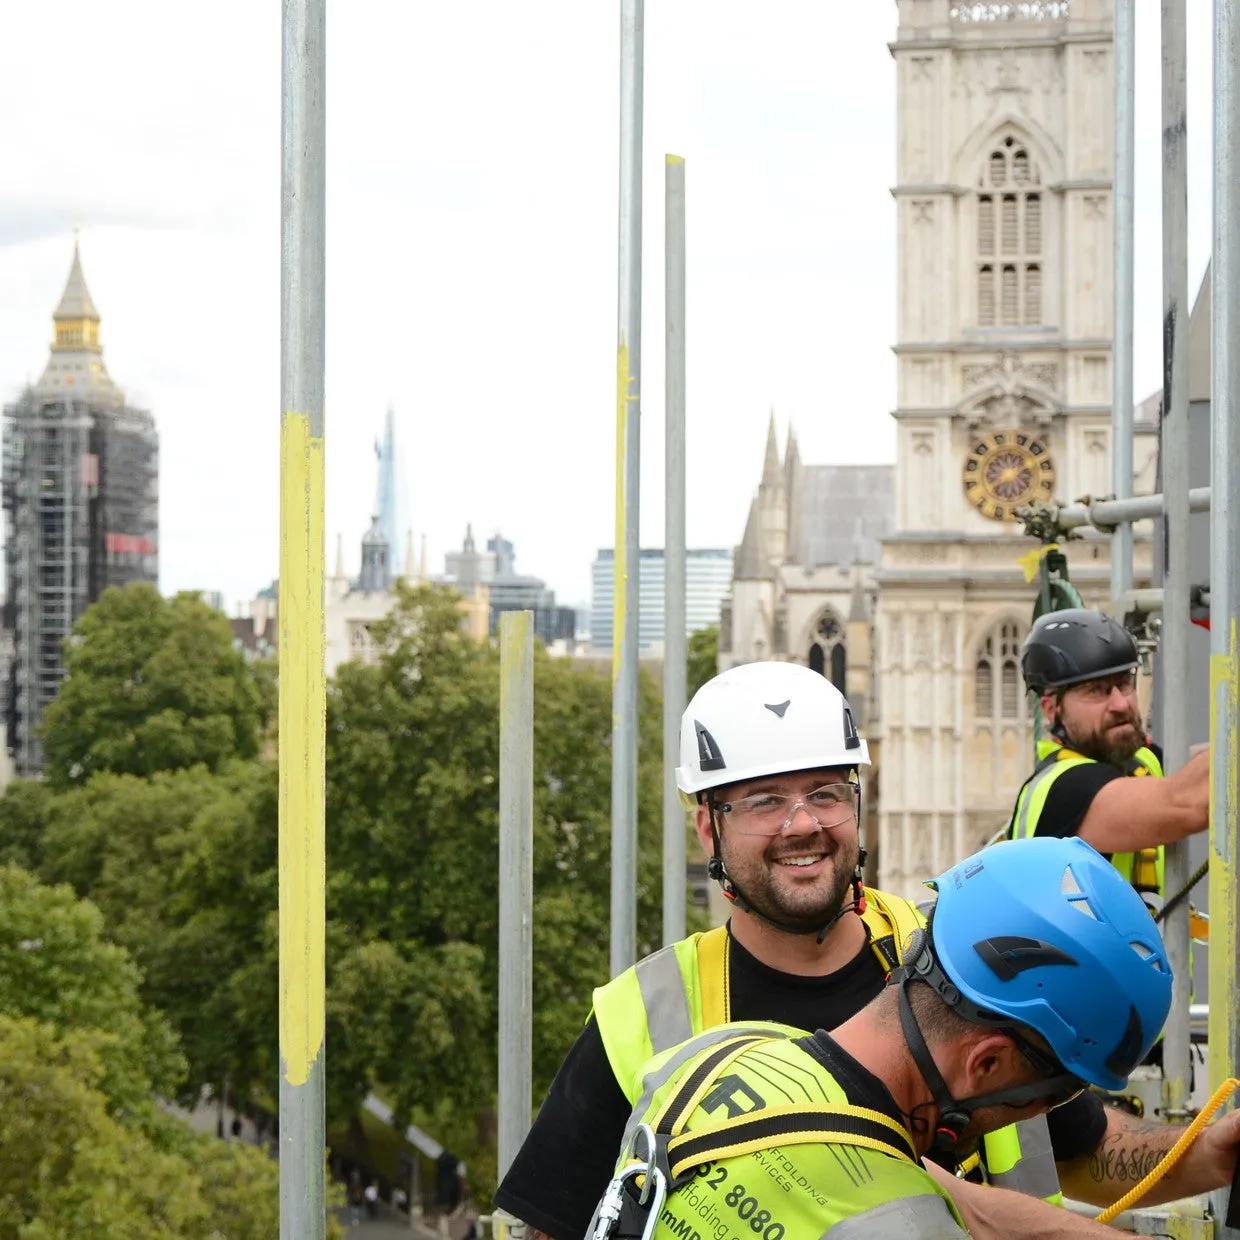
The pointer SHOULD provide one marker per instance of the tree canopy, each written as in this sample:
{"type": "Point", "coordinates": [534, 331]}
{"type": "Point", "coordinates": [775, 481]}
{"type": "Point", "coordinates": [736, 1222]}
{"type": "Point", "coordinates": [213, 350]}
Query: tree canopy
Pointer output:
{"type": "Point", "coordinates": [164, 814]}
{"type": "Point", "coordinates": [151, 684]}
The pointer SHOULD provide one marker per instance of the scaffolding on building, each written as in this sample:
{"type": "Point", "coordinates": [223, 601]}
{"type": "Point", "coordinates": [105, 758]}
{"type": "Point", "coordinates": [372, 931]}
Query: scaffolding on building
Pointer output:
{"type": "Point", "coordinates": [81, 498]}
{"type": "Point", "coordinates": [1161, 618]}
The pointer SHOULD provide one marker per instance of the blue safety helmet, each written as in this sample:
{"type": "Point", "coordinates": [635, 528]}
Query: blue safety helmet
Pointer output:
{"type": "Point", "coordinates": [1046, 933]}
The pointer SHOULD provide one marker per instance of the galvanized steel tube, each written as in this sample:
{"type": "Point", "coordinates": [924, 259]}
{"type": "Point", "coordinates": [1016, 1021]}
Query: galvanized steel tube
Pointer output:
{"type": "Point", "coordinates": [626, 565]}
{"type": "Point", "coordinates": [303, 686]}
{"type": "Point", "coordinates": [1224, 1019]}
{"type": "Point", "coordinates": [1121, 358]}
{"type": "Point", "coordinates": [1173, 653]}
{"type": "Point", "coordinates": [516, 879]}
{"type": "Point", "coordinates": [675, 645]}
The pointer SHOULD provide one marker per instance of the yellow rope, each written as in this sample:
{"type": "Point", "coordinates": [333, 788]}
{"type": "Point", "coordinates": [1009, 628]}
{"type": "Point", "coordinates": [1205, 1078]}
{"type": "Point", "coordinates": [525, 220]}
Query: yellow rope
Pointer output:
{"type": "Point", "coordinates": [1175, 1153]}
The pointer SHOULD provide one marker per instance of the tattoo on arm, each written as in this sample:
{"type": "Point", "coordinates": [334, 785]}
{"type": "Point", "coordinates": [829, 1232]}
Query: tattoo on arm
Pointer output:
{"type": "Point", "coordinates": [1132, 1153]}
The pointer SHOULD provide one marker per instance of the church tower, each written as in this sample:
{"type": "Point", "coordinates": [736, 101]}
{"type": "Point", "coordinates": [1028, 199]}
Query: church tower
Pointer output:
{"type": "Point", "coordinates": [1003, 356]}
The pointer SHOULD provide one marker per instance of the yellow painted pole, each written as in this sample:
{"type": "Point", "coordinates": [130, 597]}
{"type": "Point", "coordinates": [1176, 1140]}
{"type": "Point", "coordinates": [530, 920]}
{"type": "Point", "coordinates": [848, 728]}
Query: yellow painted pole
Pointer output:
{"type": "Point", "coordinates": [1224, 966]}
{"type": "Point", "coordinates": [627, 563]}
{"type": "Point", "coordinates": [303, 690]}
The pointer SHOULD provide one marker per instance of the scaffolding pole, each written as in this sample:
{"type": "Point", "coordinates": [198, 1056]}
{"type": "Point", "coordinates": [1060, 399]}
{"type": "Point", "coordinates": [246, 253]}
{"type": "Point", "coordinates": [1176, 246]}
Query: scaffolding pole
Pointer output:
{"type": "Point", "coordinates": [1125, 176]}
{"type": "Point", "coordinates": [1055, 521]}
{"type": "Point", "coordinates": [303, 683]}
{"type": "Point", "coordinates": [675, 643]}
{"type": "Point", "coordinates": [1173, 655]}
{"type": "Point", "coordinates": [1224, 1020]}
{"type": "Point", "coordinates": [626, 564]}
{"type": "Point", "coordinates": [516, 880]}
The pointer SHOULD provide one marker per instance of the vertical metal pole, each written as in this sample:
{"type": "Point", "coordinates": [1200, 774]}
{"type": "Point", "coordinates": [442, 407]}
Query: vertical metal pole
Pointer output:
{"type": "Point", "coordinates": [675, 652]}
{"type": "Point", "coordinates": [1121, 355]}
{"type": "Point", "coordinates": [516, 879]}
{"type": "Point", "coordinates": [1224, 1025]}
{"type": "Point", "coordinates": [302, 644]}
{"type": "Point", "coordinates": [627, 562]}
{"type": "Point", "coordinates": [1174, 646]}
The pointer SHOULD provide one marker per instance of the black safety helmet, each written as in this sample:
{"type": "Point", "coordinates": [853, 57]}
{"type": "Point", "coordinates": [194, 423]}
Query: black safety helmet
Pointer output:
{"type": "Point", "coordinates": [1071, 646]}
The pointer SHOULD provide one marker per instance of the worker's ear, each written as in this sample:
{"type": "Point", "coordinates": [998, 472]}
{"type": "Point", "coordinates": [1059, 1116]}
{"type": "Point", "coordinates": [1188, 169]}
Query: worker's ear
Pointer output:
{"type": "Point", "coordinates": [701, 824]}
{"type": "Point", "coordinates": [991, 1063]}
{"type": "Point", "coordinates": [1050, 706]}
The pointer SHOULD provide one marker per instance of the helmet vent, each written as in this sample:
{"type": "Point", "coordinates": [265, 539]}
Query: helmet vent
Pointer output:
{"type": "Point", "coordinates": [1076, 897]}
{"type": "Point", "coordinates": [1009, 955]}
{"type": "Point", "coordinates": [851, 739]}
{"type": "Point", "coordinates": [1146, 954]}
{"type": "Point", "coordinates": [709, 756]}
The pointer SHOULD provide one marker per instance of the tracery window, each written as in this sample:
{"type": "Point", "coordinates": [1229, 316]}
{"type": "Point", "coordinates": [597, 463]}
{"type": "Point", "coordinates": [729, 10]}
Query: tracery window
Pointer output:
{"type": "Point", "coordinates": [1009, 238]}
{"type": "Point", "coordinates": [828, 655]}
{"type": "Point", "coordinates": [997, 694]}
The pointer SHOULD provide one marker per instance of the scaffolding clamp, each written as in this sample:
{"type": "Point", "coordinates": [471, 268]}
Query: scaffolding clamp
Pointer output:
{"type": "Point", "coordinates": [1041, 521]}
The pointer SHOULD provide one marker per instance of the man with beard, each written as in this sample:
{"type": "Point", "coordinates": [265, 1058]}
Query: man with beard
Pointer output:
{"type": "Point", "coordinates": [1097, 775]}
{"type": "Point", "coordinates": [769, 762]}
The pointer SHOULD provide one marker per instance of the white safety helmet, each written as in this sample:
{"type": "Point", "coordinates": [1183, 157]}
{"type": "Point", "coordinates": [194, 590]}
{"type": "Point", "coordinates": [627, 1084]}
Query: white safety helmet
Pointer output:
{"type": "Point", "coordinates": [764, 719]}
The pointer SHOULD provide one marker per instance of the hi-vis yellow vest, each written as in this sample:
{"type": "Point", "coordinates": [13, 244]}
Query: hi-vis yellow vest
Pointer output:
{"type": "Point", "coordinates": [765, 1143]}
{"type": "Point", "coordinates": [1144, 869]}
{"type": "Point", "coordinates": [685, 988]}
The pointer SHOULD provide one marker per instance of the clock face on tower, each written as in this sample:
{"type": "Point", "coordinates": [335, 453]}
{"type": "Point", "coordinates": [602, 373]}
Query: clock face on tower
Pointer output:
{"type": "Point", "coordinates": [1005, 470]}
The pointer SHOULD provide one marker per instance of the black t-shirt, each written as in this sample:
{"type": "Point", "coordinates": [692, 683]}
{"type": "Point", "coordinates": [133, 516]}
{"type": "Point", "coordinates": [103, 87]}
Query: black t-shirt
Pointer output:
{"type": "Point", "coordinates": [560, 1172]}
{"type": "Point", "coordinates": [1072, 793]}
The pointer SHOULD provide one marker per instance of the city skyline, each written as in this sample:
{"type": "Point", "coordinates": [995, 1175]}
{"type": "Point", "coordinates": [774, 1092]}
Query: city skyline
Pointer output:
{"type": "Point", "coordinates": [471, 266]}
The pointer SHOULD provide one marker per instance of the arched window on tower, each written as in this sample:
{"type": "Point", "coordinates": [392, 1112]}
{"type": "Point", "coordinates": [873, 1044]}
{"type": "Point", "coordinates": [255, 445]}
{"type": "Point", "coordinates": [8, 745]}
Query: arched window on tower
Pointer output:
{"type": "Point", "coordinates": [1009, 238]}
{"type": "Point", "coordinates": [997, 692]}
{"type": "Point", "coordinates": [828, 655]}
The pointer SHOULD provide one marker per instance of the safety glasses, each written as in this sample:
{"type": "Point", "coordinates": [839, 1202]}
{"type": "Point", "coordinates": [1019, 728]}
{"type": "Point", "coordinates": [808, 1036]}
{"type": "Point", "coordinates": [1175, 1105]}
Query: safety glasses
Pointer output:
{"type": "Point", "coordinates": [769, 813]}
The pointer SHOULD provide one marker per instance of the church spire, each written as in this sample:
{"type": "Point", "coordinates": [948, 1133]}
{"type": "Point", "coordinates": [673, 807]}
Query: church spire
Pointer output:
{"type": "Point", "coordinates": [770, 468]}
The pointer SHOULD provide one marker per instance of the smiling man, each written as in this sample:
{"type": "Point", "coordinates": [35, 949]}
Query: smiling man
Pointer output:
{"type": "Point", "coordinates": [1097, 775]}
{"type": "Point", "coordinates": [769, 763]}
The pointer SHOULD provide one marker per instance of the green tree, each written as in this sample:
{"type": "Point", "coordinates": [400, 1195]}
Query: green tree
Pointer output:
{"type": "Point", "coordinates": [70, 1169]}
{"type": "Point", "coordinates": [151, 684]}
{"type": "Point", "coordinates": [413, 865]}
{"type": "Point", "coordinates": [56, 968]}
{"type": "Point", "coordinates": [183, 866]}
{"type": "Point", "coordinates": [703, 657]}
{"type": "Point", "coordinates": [24, 808]}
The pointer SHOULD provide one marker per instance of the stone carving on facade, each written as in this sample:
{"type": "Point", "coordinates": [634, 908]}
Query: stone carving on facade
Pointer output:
{"type": "Point", "coordinates": [1009, 392]}
{"type": "Point", "coordinates": [1010, 11]}
{"type": "Point", "coordinates": [1008, 371]}
{"type": "Point", "coordinates": [921, 641]}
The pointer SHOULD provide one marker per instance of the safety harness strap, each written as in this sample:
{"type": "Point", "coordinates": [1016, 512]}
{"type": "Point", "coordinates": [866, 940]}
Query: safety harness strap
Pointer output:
{"type": "Point", "coordinates": [714, 952]}
{"type": "Point", "coordinates": [841, 1124]}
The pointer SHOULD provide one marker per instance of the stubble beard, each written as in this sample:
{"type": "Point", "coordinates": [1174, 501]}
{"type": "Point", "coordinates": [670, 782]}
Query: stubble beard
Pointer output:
{"type": "Point", "coordinates": [808, 907]}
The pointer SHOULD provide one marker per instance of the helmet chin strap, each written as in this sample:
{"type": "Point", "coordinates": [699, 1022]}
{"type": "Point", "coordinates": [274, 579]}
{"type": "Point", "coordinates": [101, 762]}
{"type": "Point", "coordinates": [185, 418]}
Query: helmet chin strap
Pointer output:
{"type": "Point", "coordinates": [955, 1115]}
{"type": "Point", "coordinates": [715, 870]}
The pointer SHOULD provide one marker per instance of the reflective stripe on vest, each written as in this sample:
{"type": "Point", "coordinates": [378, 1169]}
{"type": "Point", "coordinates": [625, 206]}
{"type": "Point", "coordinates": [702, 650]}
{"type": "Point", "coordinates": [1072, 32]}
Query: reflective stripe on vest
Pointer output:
{"type": "Point", "coordinates": [1020, 1157]}
{"type": "Point", "coordinates": [925, 1217]}
{"type": "Point", "coordinates": [663, 996]}
{"type": "Point", "coordinates": [1053, 760]}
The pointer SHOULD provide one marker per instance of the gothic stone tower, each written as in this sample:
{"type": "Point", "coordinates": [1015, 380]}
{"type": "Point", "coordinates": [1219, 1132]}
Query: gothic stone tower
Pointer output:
{"type": "Point", "coordinates": [1003, 357]}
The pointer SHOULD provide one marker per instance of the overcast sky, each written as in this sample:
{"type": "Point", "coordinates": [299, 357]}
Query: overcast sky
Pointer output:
{"type": "Point", "coordinates": [472, 170]}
